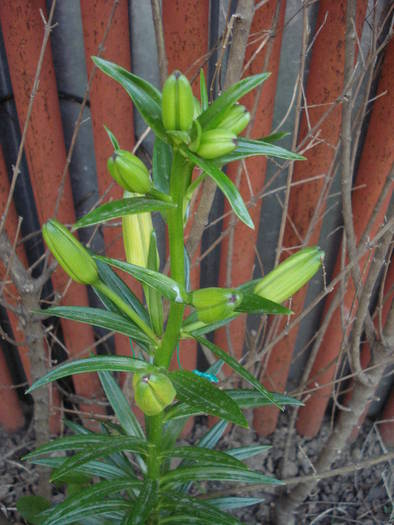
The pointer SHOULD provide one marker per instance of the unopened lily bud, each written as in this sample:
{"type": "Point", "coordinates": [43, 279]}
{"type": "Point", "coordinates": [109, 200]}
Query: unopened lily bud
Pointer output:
{"type": "Point", "coordinates": [291, 275]}
{"type": "Point", "coordinates": [177, 103]}
{"type": "Point", "coordinates": [129, 172]}
{"type": "Point", "coordinates": [197, 108]}
{"type": "Point", "coordinates": [137, 229]}
{"type": "Point", "coordinates": [235, 119]}
{"type": "Point", "coordinates": [216, 142]}
{"type": "Point", "coordinates": [215, 304]}
{"type": "Point", "coordinates": [153, 392]}
{"type": "Point", "coordinates": [75, 260]}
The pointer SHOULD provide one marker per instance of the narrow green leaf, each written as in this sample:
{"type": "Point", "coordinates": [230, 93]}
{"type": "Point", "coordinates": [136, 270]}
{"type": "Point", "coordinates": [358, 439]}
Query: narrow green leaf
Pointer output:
{"type": "Point", "coordinates": [153, 296]}
{"type": "Point", "coordinates": [165, 285]}
{"type": "Point", "coordinates": [203, 473]}
{"type": "Point", "coordinates": [243, 397]}
{"type": "Point", "coordinates": [93, 364]}
{"type": "Point", "coordinates": [182, 519]}
{"type": "Point", "coordinates": [211, 438]}
{"type": "Point", "coordinates": [226, 186]}
{"type": "Point", "coordinates": [67, 511]}
{"type": "Point", "coordinates": [120, 406]}
{"type": "Point", "coordinates": [96, 508]}
{"type": "Point", "coordinates": [97, 317]}
{"type": "Point", "coordinates": [241, 371]}
{"type": "Point", "coordinates": [176, 503]}
{"type": "Point", "coordinates": [234, 502]}
{"type": "Point", "coordinates": [203, 91]}
{"type": "Point", "coordinates": [204, 455]}
{"type": "Point", "coordinates": [274, 137]}
{"type": "Point", "coordinates": [161, 165]}
{"type": "Point", "coordinates": [255, 148]}
{"type": "Point", "coordinates": [145, 96]}
{"type": "Point", "coordinates": [86, 441]}
{"type": "Point", "coordinates": [114, 444]}
{"type": "Point", "coordinates": [98, 469]}
{"type": "Point", "coordinates": [211, 116]}
{"type": "Point", "coordinates": [200, 394]}
{"type": "Point", "coordinates": [255, 304]}
{"type": "Point", "coordinates": [248, 452]}
{"type": "Point", "coordinates": [252, 399]}
{"type": "Point", "coordinates": [112, 138]}
{"type": "Point", "coordinates": [113, 281]}
{"type": "Point", "coordinates": [121, 208]}
{"type": "Point", "coordinates": [144, 504]}
{"type": "Point", "coordinates": [191, 325]}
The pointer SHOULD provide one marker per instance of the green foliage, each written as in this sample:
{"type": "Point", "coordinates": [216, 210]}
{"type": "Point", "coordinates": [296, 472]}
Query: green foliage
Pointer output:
{"type": "Point", "coordinates": [124, 473]}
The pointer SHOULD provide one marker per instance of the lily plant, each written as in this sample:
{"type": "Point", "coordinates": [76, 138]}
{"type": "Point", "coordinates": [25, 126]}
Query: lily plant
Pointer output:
{"type": "Point", "coordinates": [130, 472]}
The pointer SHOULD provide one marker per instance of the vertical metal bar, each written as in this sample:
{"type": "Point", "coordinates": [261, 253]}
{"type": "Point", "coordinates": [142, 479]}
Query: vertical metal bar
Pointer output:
{"type": "Point", "coordinates": [22, 27]}
{"type": "Point", "coordinates": [324, 85]}
{"type": "Point", "coordinates": [377, 159]}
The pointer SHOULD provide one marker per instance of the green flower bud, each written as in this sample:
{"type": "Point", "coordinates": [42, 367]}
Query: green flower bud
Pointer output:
{"type": "Point", "coordinates": [197, 108]}
{"type": "Point", "coordinates": [75, 260]}
{"type": "Point", "coordinates": [290, 275]}
{"type": "Point", "coordinates": [216, 142]}
{"type": "Point", "coordinates": [215, 304]}
{"type": "Point", "coordinates": [235, 119]}
{"type": "Point", "coordinates": [137, 229]}
{"type": "Point", "coordinates": [153, 392]}
{"type": "Point", "coordinates": [177, 103]}
{"type": "Point", "coordinates": [129, 172]}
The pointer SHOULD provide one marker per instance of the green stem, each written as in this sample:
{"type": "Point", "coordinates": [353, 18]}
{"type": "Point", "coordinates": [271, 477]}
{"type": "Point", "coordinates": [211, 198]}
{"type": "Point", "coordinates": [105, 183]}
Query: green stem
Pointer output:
{"type": "Point", "coordinates": [125, 308]}
{"type": "Point", "coordinates": [180, 175]}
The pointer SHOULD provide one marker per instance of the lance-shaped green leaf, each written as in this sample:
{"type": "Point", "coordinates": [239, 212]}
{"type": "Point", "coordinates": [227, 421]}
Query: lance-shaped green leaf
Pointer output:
{"type": "Point", "coordinates": [248, 452]}
{"type": "Point", "coordinates": [114, 444]}
{"type": "Point", "coordinates": [233, 502]}
{"type": "Point", "coordinates": [161, 165]}
{"type": "Point", "coordinates": [224, 183]}
{"type": "Point", "coordinates": [274, 137]}
{"type": "Point", "coordinates": [200, 394]}
{"type": "Point", "coordinates": [112, 138]}
{"type": "Point", "coordinates": [120, 288]}
{"type": "Point", "coordinates": [174, 503]}
{"type": "Point", "coordinates": [120, 405]}
{"type": "Point", "coordinates": [67, 511]}
{"type": "Point", "coordinates": [165, 285]}
{"type": "Point", "coordinates": [112, 507]}
{"type": "Point", "coordinates": [181, 519]}
{"type": "Point", "coordinates": [89, 442]}
{"type": "Point", "coordinates": [239, 369]}
{"type": "Point", "coordinates": [99, 469]}
{"type": "Point", "coordinates": [94, 364]}
{"type": "Point", "coordinates": [213, 435]}
{"type": "Point", "coordinates": [153, 296]}
{"type": "Point", "coordinates": [203, 455]}
{"type": "Point", "coordinates": [145, 96]}
{"type": "Point", "coordinates": [144, 504]}
{"type": "Point", "coordinates": [212, 116]}
{"type": "Point", "coordinates": [97, 317]}
{"type": "Point", "coordinates": [243, 397]}
{"type": "Point", "coordinates": [256, 148]}
{"type": "Point", "coordinates": [203, 91]}
{"type": "Point", "coordinates": [202, 473]}
{"type": "Point", "coordinates": [251, 399]}
{"type": "Point", "coordinates": [255, 304]}
{"type": "Point", "coordinates": [121, 208]}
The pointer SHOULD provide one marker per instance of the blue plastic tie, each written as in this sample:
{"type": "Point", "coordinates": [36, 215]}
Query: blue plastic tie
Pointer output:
{"type": "Point", "coordinates": [211, 377]}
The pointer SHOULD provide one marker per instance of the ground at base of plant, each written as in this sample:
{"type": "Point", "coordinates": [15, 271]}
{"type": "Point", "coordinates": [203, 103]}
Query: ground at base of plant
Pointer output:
{"type": "Point", "coordinates": [359, 498]}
